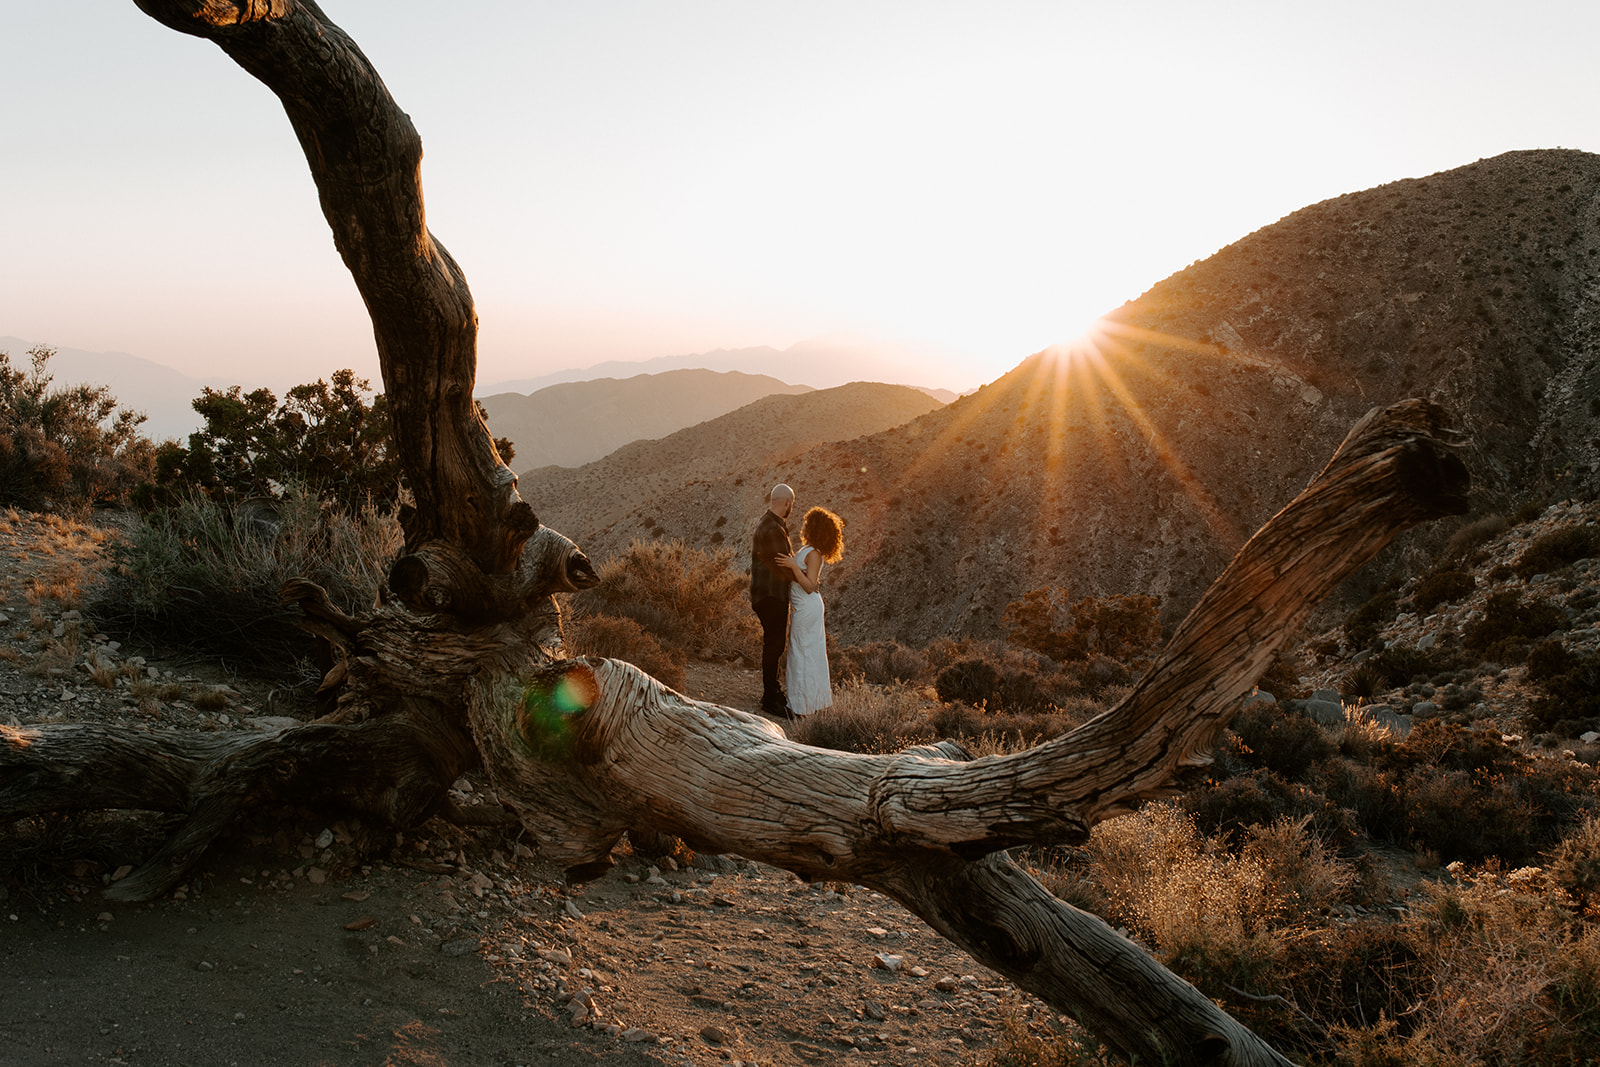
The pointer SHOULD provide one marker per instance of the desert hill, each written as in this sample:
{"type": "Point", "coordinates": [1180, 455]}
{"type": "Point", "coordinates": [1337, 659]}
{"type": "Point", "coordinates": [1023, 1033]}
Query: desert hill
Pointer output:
{"type": "Point", "coordinates": [1140, 459]}
{"type": "Point", "coordinates": [574, 423]}
{"type": "Point", "coordinates": [604, 505]}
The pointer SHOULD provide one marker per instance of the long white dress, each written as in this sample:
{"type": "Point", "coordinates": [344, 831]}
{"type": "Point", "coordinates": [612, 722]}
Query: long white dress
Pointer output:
{"type": "Point", "coordinates": [809, 686]}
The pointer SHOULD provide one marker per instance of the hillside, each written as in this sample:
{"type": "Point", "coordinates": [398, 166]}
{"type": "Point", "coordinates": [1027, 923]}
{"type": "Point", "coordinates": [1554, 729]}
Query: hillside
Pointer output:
{"type": "Point", "coordinates": [578, 422]}
{"type": "Point", "coordinates": [1141, 459]}
{"type": "Point", "coordinates": [604, 505]}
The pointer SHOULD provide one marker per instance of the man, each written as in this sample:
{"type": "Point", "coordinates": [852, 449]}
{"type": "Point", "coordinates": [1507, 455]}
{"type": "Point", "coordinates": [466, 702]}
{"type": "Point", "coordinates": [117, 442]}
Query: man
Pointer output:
{"type": "Point", "coordinates": [769, 595]}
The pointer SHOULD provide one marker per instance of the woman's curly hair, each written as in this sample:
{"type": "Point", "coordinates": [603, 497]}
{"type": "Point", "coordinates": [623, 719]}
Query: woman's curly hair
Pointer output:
{"type": "Point", "coordinates": [824, 531]}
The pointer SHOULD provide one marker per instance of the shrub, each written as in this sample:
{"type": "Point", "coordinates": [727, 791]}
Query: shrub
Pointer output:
{"type": "Point", "coordinates": [1285, 742]}
{"type": "Point", "coordinates": [865, 718]}
{"type": "Point", "coordinates": [1509, 621]}
{"type": "Point", "coordinates": [65, 447]}
{"type": "Point", "coordinates": [1362, 626]}
{"type": "Point", "coordinates": [970, 681]}
{"type": "Point", "coordinates": [684, 597]}
{"type": "Point", "coordinates": [1232, 808]}
{"type": "Point", "coordinates": [1552, 551]}
{"type": "Point", "coordinates": [196, 575]}
{"type": "Point", "coordinates": [881, 663]}
{"type": "Point", "coordinates": [617, 638]}
{"type": "Point", "coordinates": [1569, 685]}
{"type": "Point", "coordinates": [1441, 587]}
{"type": "Point", "coordinates": [1574, 864]}
{"type": "Point", "coordinates": [1466, 540]}
{"type": "Point", "coordinates": [324, 437]}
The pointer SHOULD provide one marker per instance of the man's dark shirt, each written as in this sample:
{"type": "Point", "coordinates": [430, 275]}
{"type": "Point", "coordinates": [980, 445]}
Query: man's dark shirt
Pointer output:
{"type": "Point", "coordinates": [767, 580]}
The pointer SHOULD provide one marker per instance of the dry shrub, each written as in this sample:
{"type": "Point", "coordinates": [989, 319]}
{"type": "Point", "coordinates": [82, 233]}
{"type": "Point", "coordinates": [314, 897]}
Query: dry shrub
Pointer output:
{"type": "Point", "coordinates": [1466, 541]}
{"type": "Point", "coordinates": [865, 718]}
{"type": "Point", "coordinates": [612, 637]}
{"type": "Point", "coordinates": [1555, 550]}
{"type": "Point", "coordinates": [194, 575]}
{"type": "Point", "coordinates": [1574, 865]}
{"type": "Point", "coordinates": [686, 598]}
{"type": "Point", "coordinates": [1513, 979]}
{"type": "Point", "coordinates": [881, 663]}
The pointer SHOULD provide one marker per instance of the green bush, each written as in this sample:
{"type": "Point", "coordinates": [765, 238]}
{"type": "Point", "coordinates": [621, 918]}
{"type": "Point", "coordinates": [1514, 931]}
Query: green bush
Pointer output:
{"type": "Point", "coordinates": [970, 681]}
{"type": "Point", "coordinates": [65, 447]}
{"type": "Point", "coordinates": [1285, 742]}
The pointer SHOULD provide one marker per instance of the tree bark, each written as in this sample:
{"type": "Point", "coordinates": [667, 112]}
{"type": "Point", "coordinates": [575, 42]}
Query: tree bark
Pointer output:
{"type": "Point", "coordinates": [460, 661]}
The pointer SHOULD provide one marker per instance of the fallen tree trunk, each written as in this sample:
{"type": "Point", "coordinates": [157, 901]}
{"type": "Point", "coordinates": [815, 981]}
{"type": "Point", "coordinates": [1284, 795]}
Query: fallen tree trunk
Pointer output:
{"type": "Point", "coordinates": [456, 663]}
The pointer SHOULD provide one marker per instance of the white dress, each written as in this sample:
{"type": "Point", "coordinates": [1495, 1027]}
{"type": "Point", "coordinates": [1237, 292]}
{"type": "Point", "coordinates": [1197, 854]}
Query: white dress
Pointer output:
{"type": "Point", "coordinates": [808, 683]}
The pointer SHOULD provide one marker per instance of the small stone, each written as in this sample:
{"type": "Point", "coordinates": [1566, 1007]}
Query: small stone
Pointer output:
{"type": "Point", "coordinates": [557, 956]}
{"type": "Point", "coordinates": [461, 946]}
{"type": "Point", "coordinates": [877, 931]}
{"type": "Point", "coordinates": [713, 1034]}
{"type": "Point", "coordinates": [324, 839]}
{"type": "Point", "coordinates": [947, 984]}
{"type": "Point", "coordinates": [874, 1010]}
{"type": "Point", "coordinates": [886, 962]}
{"type": "Point", "coordinates": [356, 895]}
{"type": "Point", "coordinates": [572, 909]}
{"type": "Point", "coordinates": [104, 917]}
{"type": "Point", "coordinates": [635, 1033]}
{"type": "Point", "coordinates": [316, 875]}
{"type": "Point", "coordinates": [366, 922]}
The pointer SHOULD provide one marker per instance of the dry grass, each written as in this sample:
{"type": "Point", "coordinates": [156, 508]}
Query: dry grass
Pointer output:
{"type": "Point", "coordinates": [866, 718]}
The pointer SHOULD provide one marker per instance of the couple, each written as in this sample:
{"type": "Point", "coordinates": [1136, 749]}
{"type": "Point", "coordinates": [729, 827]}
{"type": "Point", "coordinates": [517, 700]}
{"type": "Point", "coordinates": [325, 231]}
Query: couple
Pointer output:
{"type": "Point", "coordinates": [780, 581]}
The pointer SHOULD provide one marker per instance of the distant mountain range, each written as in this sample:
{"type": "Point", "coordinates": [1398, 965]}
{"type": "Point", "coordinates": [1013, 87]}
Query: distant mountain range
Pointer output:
{"type": "Point", "coordinates": [1210, 401]}
{"type": "Point", "coordinates": [819, 363]}
{"type": "Point", "coordinates": [606, 504]}
{"type": "Point", "coordinates": [573, 423]}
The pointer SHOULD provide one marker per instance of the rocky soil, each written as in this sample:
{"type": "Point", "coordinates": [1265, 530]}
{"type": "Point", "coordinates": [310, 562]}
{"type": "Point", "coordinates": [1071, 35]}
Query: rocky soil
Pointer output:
{"type": "Point", "coordinates": [461, 947]}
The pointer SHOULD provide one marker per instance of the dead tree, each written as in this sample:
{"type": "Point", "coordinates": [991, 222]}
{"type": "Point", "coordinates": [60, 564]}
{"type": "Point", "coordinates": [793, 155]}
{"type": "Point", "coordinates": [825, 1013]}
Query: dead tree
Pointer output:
{"type": "Point", "coordinates": [460, 664]}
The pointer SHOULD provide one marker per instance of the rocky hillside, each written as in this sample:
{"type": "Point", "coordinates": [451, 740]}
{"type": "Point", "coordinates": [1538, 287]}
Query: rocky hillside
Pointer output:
{"type": "Point", "coordinates": [577, 422]}
{"type": "Point", "coordinates": [605, 505]}
{"type": "Point", "coordinates": [1141, 459]}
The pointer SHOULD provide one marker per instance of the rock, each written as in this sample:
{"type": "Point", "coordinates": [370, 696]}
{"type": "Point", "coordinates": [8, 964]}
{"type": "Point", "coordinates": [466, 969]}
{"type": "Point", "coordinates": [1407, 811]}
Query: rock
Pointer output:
{"type": "Point", "coordinates": [713, 1034]}
{"type": "Point", "coordinates": [572, 909]}
{"type": "Point", "coordinates": [947, 984]}
{"type": "Point", "coordinates": [272, 723]}
{"type": "Point", "coordinates": [461, 946]}
{"type": "Point", "coordinates": [886, 962]}
{"type": "Point", "coordinates": [1326, 712]}
{"type": "Point", "coordinates": [1425, 709]}
{"type": "Point", "coordinates": [324, 839]}
{"type": "Point", "coordinates": [874, 1010]}
{"type": "Point", "coordinates": [1327, 694]}
{"type": "Point", "coordinates": [1590, 738]}
{"type": "Point", "coordinates": [878, 932]}
{"type": "Point", "coordinates": [557, 956]}
{"type": "Point", "coordinates": [635, 1033]}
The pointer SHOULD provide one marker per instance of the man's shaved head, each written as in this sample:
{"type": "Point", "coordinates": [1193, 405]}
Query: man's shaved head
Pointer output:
{"type": "Point", "coordinates": [780, 501]}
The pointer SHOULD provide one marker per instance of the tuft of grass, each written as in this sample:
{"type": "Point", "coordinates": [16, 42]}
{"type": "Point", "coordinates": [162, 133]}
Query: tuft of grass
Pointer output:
{"type": "Point", "coordinates": [194, 576]}
{"type": "Point", "coordinates": [865, 718]}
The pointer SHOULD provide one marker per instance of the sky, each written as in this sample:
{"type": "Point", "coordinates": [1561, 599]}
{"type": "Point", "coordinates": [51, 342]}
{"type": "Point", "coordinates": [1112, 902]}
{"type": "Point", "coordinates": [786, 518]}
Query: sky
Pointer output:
{"type": "Point", "coordinates": [623, 181]}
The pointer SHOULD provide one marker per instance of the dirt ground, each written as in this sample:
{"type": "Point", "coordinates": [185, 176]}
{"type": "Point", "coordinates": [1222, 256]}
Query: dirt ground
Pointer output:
{"type": "Point", "coordinates": [459, 949]}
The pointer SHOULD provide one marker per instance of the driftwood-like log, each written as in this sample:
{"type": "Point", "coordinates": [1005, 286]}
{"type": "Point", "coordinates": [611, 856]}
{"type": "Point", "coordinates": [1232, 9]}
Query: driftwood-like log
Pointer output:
{"type": "Point", "coordinates": [595, 747]}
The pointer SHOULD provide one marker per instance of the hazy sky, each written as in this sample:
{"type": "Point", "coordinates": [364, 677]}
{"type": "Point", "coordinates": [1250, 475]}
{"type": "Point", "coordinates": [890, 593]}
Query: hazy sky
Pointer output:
{"type": "Point", "coordinates": [630, 180]}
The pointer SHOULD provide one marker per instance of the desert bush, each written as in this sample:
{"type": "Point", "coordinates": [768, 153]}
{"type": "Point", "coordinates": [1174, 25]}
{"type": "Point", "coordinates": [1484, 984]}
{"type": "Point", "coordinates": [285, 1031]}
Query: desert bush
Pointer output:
{"type": "Point", "coordinates": [612, 637]}
{"type": "Point", "coordinates": [1470, 537]}
{"type": "Point", "coordinates": [1286, 742]}
{"type": "Point", "coordinates": [1509, 622]}
{"type": "Point", "coordinates": [1569, 688]}
{"type": "Point", "coordinates": [1362, 626]}
{"type": "Point", "coordinates": [865, 718]}
{"type": "Point", "coordinates": [1574, 865]}
{"type": "Point", "coordinates": [969, 681]}
{"type": "Point", "coordinates": [686, 598]}
{"type": "Point", "coordinates": [1441, 587]}
{"type": "Point", "coordinates": [1233, 808]}
{"type": "Point", "coordinates": [880, 663]}
{"type": "Point", "coordinates": [1559, 548]}
{"type": "Point", "coordinates": [194, 575]}
{"type": "Point", "coordinates": [65, 447]}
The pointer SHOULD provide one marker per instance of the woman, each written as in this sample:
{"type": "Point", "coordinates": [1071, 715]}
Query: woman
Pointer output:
{"type": "Point", "coordinates": [822, 541]}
